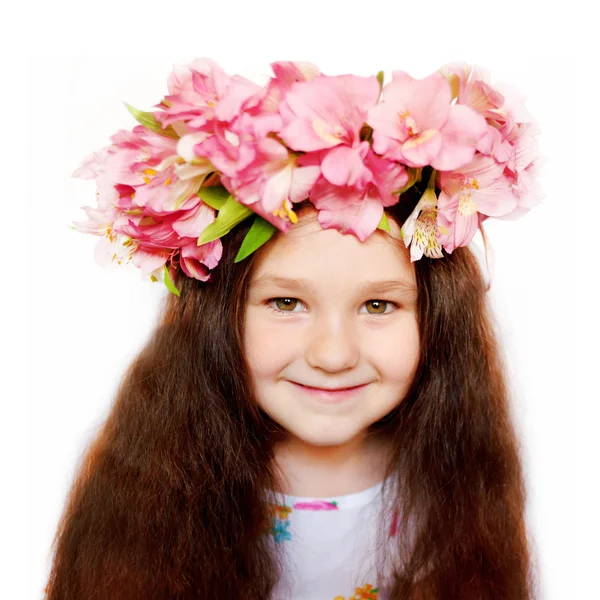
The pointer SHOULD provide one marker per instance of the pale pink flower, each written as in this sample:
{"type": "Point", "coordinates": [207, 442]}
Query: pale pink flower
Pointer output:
{"type": "Point", "coordinates": [113, 247]}
{"type": "Point", "coordinates": [416, 125]}
{"type": "Point", "coordinates": [288, 72]}
{"type": "Point", "coordinates": [522, 172]}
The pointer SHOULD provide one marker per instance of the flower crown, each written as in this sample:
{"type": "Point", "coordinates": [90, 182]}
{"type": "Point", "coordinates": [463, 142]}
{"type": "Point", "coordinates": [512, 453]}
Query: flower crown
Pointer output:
{"type": "Point", "coordinates": [222, 148]}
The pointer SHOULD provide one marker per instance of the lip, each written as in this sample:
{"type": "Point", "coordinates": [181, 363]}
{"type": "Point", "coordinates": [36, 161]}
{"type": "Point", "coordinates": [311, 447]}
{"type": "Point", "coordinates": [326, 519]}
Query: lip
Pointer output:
{"type": "Point", "coordinates": [329, 396]}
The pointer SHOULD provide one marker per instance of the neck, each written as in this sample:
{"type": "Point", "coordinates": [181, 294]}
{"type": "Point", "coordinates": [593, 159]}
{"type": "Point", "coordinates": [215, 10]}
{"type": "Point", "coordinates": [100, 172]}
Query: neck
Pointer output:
{"type": "Point", "coordinates": [321, 471]}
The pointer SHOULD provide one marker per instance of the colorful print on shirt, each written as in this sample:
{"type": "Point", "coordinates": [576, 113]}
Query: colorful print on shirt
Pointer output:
{"type": "Point", "coordinates": [279, 524]}
{"type": "Point", "coordinates": [366, 592]}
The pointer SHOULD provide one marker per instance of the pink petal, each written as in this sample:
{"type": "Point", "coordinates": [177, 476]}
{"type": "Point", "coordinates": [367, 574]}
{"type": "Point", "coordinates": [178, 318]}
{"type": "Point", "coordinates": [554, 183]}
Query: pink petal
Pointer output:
{"type": "Point", "coordinates": [383, 118]}
{"type": "Point", "coordinates": [276, 188]}
{"type": "Point", "coordinates": [289, 72]}
{"type": "Point", "coordinates": [303, 180]}
{"type": "Point", "coordinates": [307, 135]}
{"type": "Point", "coordinates": [326, 196]}
{"type": "Point", "coordinates": [359, 219]}
{"type": "Point", "coordinates": [465, 228]}
{"type": "Point", "coordinates": [238, 92]}
{"type": "Point", "coordinates": [345, 166]}
{"type": "Point", "coordinates": [193, 224]}
{"type": "Point", "coordinates": [495, 199]}
{"type": "Point", "coordinates": [427, 100]}
{"type": "Point", "coordinates": [387, 146]}
{"type": "Point", "coordinates": [461, 133]}
{"type": "Point", "coordinates": [209, 254]}
{"type": "Point", "coordinates": [420, 150]}
{"type": "Point", "coordinates": [149, 261]}
{"type": "Point", "coordinates": [195, 269]}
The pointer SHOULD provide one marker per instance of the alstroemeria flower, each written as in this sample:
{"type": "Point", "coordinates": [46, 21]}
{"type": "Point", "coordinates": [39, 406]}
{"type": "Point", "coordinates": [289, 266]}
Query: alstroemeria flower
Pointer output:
{"type": "Point", "coordinates": [201, 92]}
{"type": "Point", "coordinates": [327, 111]}
{"type": "Point", "coordinates": [358, 208]}
{"type": "Point", "coordinates": [420, 230]}
{"type": "Point", "coordinates": [416, 125]}
{"type": "Point", "coordinates": [233, 146]}
{"type": "Point", "coordinates": [272, 183]}
{"type": "Point", "coordinates": [522, 170]}
{"type": "Point", "coordinates": [473, 88]}
{"type": "Point", "coordinates": [146, 213]}
{"type": "Point", "coordinates": [113, 247]}
{"type": "Point", "coordinates": [478, 187]}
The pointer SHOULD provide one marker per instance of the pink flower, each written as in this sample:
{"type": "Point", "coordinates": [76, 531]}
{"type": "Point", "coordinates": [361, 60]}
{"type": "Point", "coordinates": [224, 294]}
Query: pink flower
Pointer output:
{"type": "Point", "coordinates": [473, 89]}
{"type": "Point", "coordinates": [287, 72]}
{"type": "Point", "coordinates": [523, 171]}
{"type": "Point", "coordinates": [202, 92]}
{"type": "Point", "coordinates": [478, 187]}
{"type": "Point", "coordinates": [416, 125]}
{"type": "Point", "coordinates": [356, 206]}
{"type": "Point", "coordinates": [272, 182]}
{"type": "Point", "coordinates": [327, 111]}
{"type": "Point", "coordinates": [233, 146]}
{"type": "Point", "coordinates": [148, 210]}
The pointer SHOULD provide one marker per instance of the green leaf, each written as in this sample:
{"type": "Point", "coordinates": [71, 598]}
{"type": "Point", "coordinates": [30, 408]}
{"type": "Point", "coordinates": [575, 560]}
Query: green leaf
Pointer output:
{"type": "Point", "coordinates": [169, 283]}
{"type": "Point", "coordinates": [148, 120]}
{"type": "Point", "coordinates": [384, 224]}
{"type": "Point", "coordinates": [260, 232]}
{"type": "Point", "coordinates": [231, 213]}
{"type": "Point", "coordinates": [215, 196]}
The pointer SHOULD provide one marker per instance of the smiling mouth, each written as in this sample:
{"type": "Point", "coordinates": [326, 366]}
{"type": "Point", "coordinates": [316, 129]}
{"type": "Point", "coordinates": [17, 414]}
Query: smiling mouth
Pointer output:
{"type": "Point", "coordinates": [308, 387]}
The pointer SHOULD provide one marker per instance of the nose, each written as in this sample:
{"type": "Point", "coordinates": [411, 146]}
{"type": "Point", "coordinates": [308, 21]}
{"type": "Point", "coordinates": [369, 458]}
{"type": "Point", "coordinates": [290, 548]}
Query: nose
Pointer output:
{"type": "Point", "coordinates": [332, 344]}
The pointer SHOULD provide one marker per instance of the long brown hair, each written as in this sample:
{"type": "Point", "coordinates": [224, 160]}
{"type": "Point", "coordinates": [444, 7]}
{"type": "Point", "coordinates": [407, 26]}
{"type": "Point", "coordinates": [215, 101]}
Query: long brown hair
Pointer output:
{"type": "Point", "coordinates": [168, 500]}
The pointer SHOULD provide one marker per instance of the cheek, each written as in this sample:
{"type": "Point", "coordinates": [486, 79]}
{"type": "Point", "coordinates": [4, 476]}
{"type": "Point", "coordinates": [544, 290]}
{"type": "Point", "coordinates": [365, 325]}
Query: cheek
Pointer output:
{"type": "Point", "coordinates": [397, 354]}
{"type": "Point", "coordinates": [265, 346]}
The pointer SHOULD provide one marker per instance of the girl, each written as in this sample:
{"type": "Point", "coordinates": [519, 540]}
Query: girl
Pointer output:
{"type": "Point", "coordinates": [327, 418]}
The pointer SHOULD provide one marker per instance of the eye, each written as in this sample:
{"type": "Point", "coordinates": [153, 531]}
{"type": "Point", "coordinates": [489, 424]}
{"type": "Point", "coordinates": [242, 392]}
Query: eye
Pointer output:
{"type": "Point", "coordinates": [287, 305]}
{"type": "Point", "coordinates": [378, 304]}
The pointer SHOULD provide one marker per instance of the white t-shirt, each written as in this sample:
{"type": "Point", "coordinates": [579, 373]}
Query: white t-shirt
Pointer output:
{"type": "Point", "coordinates": [329, 545]}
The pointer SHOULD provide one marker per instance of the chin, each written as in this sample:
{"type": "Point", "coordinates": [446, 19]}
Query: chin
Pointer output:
{"type": "Point", "coordinates": [328, 439]}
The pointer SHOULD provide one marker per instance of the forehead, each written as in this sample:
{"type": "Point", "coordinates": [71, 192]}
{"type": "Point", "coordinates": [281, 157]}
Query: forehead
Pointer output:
{"type": "Point", "coordinates": [328, 257]}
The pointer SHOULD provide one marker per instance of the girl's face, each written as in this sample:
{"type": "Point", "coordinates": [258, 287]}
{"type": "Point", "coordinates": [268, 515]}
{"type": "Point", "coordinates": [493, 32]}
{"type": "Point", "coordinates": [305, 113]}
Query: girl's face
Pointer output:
{"type": "Point", "coordinates": [311, 319]}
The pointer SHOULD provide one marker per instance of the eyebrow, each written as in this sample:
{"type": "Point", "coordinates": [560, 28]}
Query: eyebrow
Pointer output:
{"type": "Point", "coordinates": [377, 287]}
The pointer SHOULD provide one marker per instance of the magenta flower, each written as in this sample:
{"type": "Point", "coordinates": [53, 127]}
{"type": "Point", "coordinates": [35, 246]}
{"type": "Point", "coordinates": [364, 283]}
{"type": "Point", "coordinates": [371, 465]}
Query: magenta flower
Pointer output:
{"type": "Point", "coordinates": [416, 125]}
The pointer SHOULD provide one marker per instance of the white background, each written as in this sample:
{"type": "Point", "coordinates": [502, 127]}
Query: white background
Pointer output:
{"type": "Point", "coordinates": [72, 327]}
